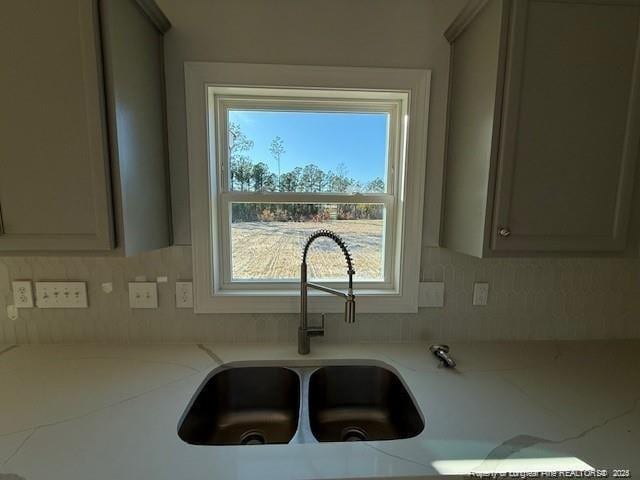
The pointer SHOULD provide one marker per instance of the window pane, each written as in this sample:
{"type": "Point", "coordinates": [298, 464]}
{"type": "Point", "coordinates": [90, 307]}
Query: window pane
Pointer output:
{"type": "Point", "coordinates": [307, 151]}
{"type": "Point", "coordinates": [267, 240]}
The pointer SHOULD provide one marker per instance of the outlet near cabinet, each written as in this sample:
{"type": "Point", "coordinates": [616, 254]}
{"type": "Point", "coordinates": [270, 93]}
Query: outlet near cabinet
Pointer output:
{"type": "Point", "coordinates": [61, 295]}
{"type": "Point", "coordinates": [143, 295]}
{"type": "Point", "coordinates": [22, 294]}
{"type": "Point", "coordinates": [184, 295]}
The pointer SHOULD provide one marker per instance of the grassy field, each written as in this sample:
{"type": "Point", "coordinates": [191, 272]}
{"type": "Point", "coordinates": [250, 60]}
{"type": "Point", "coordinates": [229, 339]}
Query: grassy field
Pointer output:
{"type": "Point", "coordinates": [272, 250]}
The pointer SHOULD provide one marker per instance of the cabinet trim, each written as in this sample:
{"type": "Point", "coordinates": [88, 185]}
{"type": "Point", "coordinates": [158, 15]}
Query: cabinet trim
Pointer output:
{"type": "Point", "coordinates": [464, 18]}
{"type": "Point", "coordinates": [498, 119]}
{"type": "Point", "coordinates": [157, 17]}
{"type": "Point", "coordinates": [450, 238]}
{"type": "Point", "coordinates": [96, 116]}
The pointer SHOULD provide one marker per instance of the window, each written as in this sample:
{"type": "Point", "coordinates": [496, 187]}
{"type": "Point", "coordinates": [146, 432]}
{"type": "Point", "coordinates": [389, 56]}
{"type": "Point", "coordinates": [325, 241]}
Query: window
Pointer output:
{"type": "Point", "coordinates": [274, 163]}
{"type": "Point", "coordinates": [290, 163]}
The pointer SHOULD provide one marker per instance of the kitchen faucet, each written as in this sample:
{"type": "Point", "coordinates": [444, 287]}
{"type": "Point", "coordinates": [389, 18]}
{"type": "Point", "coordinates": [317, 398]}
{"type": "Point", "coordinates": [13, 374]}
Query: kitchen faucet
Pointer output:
{"type": "Point", "coordinates": [304, 331]}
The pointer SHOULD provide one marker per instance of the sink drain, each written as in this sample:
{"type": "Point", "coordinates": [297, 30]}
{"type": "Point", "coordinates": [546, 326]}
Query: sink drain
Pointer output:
{"type": "Point", "coordinates": [252, 437]}
{"type": "Point", "coordinates": [353, 434]}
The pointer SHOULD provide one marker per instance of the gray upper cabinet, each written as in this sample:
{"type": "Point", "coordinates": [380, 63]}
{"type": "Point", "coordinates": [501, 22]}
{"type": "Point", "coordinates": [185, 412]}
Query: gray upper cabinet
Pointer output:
{"type": "Point", "coordinates": [83, 162]}
{"type": "Point", "coordinates": [543, 127]}
{"type": "Point", "coordinates": [54, 175]}
{"type": "Point", "coordinates": [134, 73]}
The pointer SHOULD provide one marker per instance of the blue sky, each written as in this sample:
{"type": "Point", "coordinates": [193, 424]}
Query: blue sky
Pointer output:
{"type": "Point", "coordinates": [359, 140]}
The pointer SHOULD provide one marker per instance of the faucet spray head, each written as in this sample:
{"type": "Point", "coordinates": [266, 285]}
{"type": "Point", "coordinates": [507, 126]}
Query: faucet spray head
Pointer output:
{"type": "Point", "coordinates": [350, 309]}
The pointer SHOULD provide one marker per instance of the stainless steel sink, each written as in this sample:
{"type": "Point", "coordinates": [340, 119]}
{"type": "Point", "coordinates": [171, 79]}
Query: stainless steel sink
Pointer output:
{"type": "Point", "coordinates": [356, 403]}
{"type": "Point", "coordinates": [244, 406]}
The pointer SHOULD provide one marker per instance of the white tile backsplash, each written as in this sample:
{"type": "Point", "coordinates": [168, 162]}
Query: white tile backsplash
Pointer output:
{"type": "Point", "coordinates": [531, 298]}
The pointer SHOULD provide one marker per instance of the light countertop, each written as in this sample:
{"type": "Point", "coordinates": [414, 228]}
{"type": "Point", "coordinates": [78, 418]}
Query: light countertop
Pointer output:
{"type": "Point", "coordinates": [111, 412]}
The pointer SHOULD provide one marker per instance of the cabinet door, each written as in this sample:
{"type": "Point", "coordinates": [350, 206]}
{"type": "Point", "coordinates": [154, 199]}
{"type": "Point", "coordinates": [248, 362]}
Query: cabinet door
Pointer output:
{"type": "Point", "coordinates": [134, 72]}
{"type": "Point", "coordinates": [570, 127]}
{"type": "Point", "coordinates": [54, 190]}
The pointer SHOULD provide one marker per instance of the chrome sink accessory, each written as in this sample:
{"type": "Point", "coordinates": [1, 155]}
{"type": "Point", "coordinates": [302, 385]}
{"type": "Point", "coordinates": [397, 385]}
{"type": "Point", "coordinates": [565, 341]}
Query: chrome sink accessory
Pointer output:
{"type": "Point", "coordinates": [442, 353]}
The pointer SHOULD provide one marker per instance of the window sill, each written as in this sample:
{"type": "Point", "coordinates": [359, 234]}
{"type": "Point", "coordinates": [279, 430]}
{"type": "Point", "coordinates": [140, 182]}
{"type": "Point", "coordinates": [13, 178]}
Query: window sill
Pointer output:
{"type": "Point", "coordinates": [288, 301]}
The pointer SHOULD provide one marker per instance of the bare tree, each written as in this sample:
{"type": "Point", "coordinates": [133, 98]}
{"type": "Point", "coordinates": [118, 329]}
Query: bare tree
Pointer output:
{"type": "Point", "coordinates": [277, 150]}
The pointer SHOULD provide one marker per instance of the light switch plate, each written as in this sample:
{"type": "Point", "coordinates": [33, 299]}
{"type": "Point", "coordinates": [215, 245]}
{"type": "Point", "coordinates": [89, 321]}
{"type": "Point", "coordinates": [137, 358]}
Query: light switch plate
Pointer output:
{"type": "Point", "coordinates": [431, 294]}
{"type": "Point", "coordinates": [480, 294]}
{"type": "Point", "coordinates": [61, 295]}
{"type": "Point", "coordinates": [143, 295]}
{"type": "Point", "coordinates": [184, 294]}
{"type": "Point", "coordinates": [22, 294]}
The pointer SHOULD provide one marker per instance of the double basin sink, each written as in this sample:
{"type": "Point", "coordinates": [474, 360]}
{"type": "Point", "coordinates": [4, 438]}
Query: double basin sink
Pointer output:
{"type": "Point", "coordinates": [254, 405]}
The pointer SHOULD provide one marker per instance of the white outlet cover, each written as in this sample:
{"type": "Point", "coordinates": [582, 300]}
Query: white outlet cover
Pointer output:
{"type": "Point", "coordinates": [61, 295]}
{"type": "Point", "coordinates": [184, 294]}
{"type": "Point", "coordinates": [480, 294]}
{"type": "Point", "coordinates": [22, 294]}
{"type": "Point", "coordinates": [431, 294]}
{"type": "Point", "coordinates": [143, 295]}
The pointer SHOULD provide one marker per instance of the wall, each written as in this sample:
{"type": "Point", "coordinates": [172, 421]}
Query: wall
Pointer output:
{"type": "Point", "coordinates": [529, 298]}
{"type": "Point", "coordinates": [359, 33]}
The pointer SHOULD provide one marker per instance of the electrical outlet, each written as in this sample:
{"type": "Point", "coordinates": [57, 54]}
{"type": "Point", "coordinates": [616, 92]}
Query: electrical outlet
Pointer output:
{"type": "Point", "coordinates": [143, 295]}
{"type": "Point", "coordinates": [480, 294]}
{"type": "Point", "coordinates": [61, 295]}
{"type": "Point", "coordinates": [184, 294]}
{"type": "Point", "coordinates": [22, 294]}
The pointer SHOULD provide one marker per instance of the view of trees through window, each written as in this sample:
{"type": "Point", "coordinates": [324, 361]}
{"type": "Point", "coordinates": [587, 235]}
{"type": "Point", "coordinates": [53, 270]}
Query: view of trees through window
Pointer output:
{"type": "Point", "coordinates": [306, 152]}
{"type": "Point", "coordinates": [250, 175]}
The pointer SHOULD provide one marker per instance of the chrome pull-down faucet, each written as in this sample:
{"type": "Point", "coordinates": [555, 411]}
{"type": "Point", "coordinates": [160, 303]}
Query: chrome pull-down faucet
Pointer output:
{"type": "Point", "coordinates": [304, 331]}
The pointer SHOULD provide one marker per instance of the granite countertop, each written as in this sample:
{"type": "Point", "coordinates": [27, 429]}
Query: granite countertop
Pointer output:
{"type": "Point", "coordinates": [111, 412]}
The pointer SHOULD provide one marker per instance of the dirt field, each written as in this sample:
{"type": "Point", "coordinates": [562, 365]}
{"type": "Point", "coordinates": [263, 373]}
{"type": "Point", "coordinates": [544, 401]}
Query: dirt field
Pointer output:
{"type": "Point", "coordinates": [273, 249]}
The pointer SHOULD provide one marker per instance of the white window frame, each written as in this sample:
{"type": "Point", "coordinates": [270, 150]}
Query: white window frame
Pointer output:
{"type": "Point", "coordinates": [223, 99]}
{"type": "Point", "coordinates": [213, 88]}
